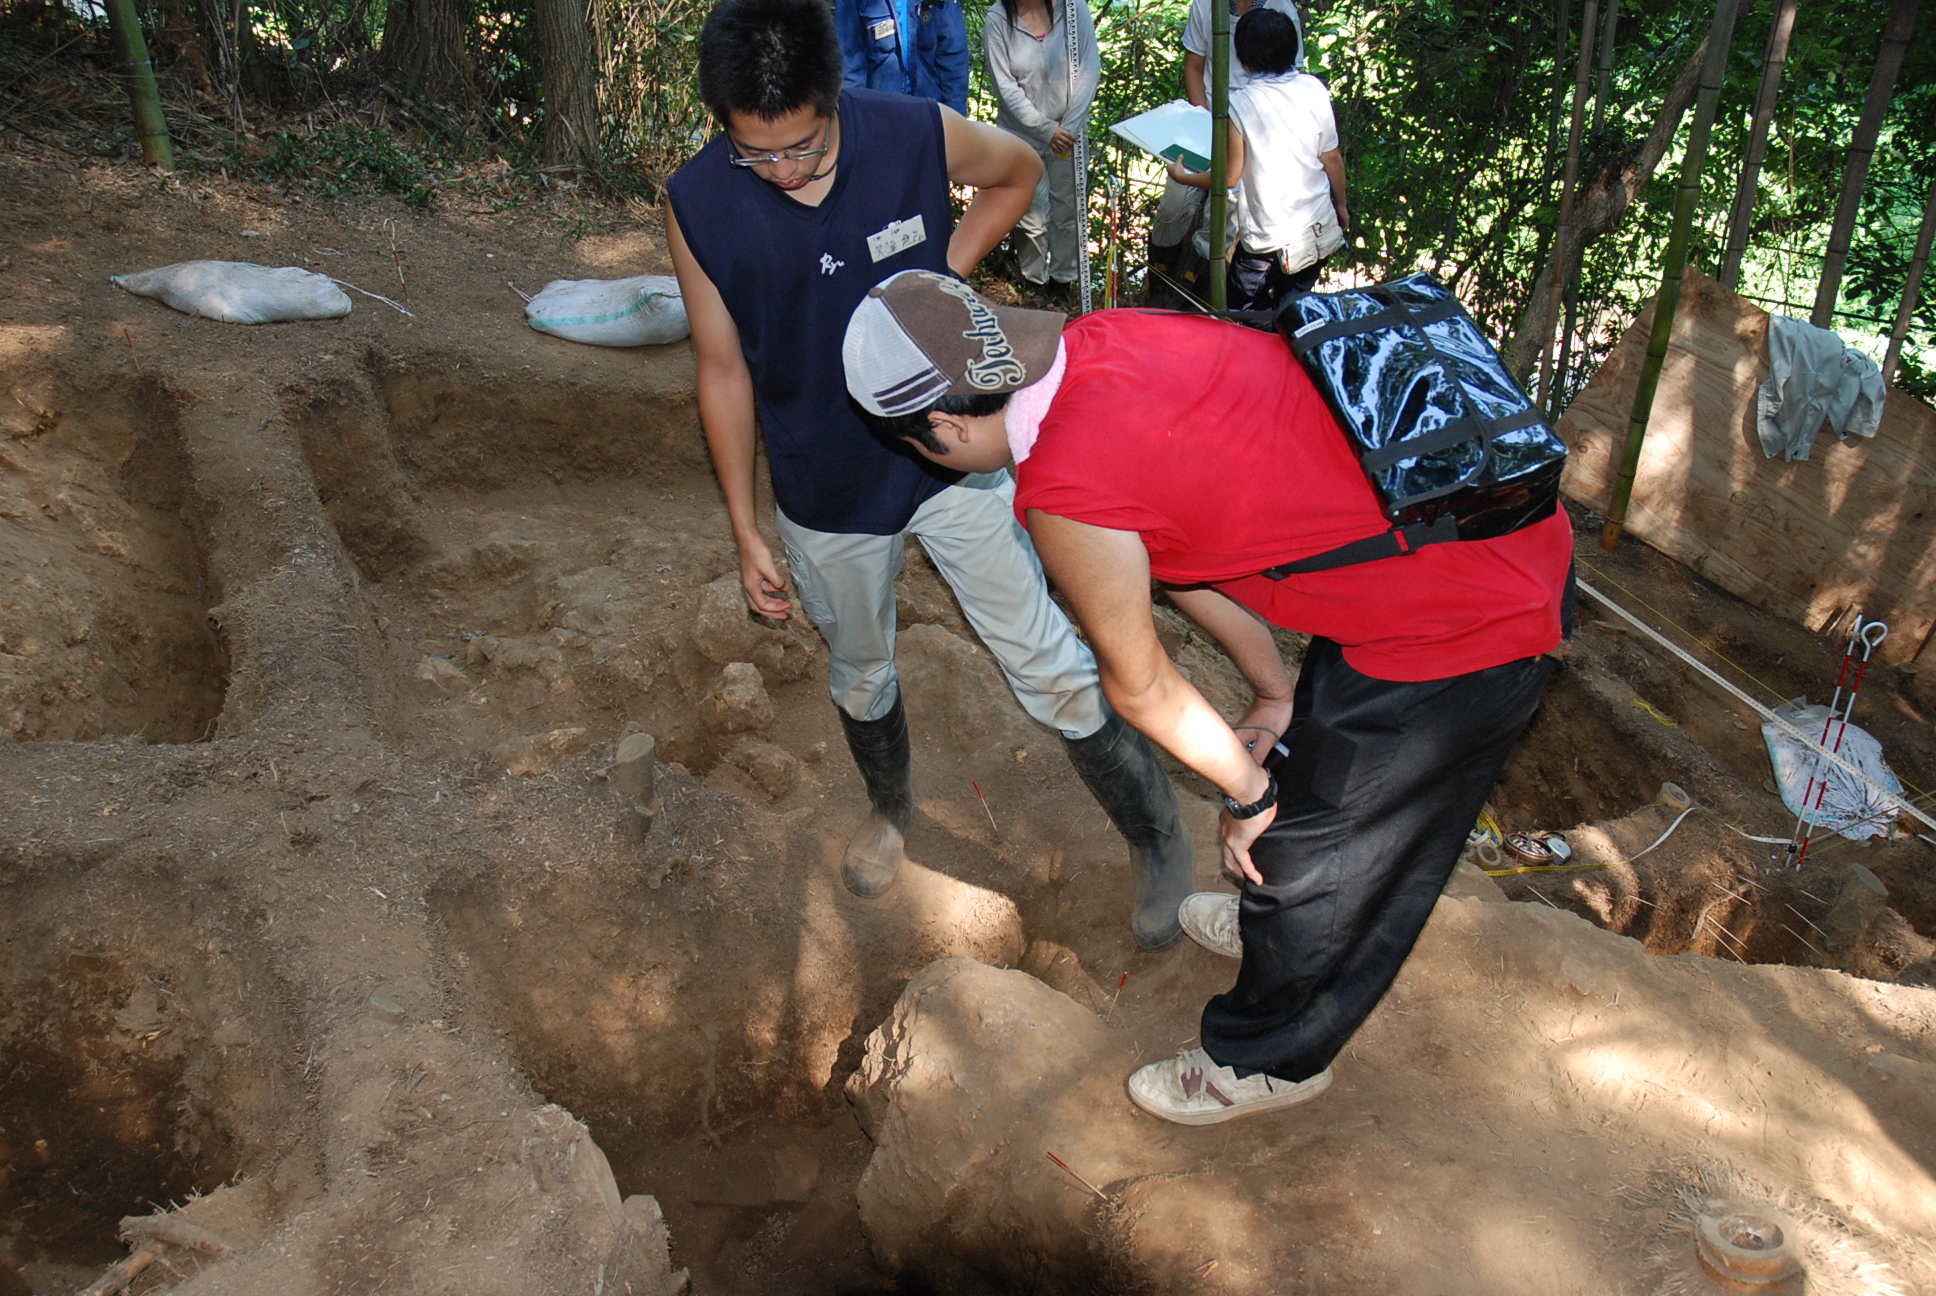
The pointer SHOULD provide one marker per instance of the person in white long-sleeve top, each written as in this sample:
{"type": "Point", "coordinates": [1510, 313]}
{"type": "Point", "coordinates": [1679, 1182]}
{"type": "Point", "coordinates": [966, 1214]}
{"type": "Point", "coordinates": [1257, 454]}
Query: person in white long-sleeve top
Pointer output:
{"type": "Point", "coordinates": [1026, 46]}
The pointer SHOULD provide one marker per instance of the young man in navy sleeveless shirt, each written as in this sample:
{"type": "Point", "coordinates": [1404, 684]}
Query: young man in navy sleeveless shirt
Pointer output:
{"type": "Point", "coordinates": [777, 228]}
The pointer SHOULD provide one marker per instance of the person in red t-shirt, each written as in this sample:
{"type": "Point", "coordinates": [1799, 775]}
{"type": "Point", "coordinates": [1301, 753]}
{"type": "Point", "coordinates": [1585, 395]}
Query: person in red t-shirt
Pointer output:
{"type": "Point", "coordinates": [1197, 452]}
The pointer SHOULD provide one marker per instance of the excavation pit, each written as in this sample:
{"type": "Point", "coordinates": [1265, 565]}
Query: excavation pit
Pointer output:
{"type": "Point", "coordinates": [104, 605]}
{"type": "Point", "coordinates": [133, 1083]}
{"type": "Point", "coordinates": [700, 1017]}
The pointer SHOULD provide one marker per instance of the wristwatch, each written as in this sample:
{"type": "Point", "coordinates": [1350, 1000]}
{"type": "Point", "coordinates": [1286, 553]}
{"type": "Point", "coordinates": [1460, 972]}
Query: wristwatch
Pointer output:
{"type": "Point", "coordinates": [1257, 807]}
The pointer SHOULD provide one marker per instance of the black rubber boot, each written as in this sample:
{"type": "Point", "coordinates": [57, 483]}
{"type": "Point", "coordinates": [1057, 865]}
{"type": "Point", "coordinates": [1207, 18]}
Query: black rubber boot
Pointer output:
{"type": "Point", "coordinates": [1119, 766]}
{"type": "Point", "coordinates": [881, 750]}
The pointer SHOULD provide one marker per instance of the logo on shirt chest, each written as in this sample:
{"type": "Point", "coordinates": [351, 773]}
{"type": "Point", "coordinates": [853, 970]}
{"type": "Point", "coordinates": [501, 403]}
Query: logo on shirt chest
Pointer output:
{"type": "Point", "coordinates": [828, 265]}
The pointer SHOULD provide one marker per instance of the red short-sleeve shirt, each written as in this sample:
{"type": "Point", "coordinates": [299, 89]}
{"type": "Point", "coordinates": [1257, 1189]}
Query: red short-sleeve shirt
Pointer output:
{"type": "Point", "coordinates": [1209, 441]}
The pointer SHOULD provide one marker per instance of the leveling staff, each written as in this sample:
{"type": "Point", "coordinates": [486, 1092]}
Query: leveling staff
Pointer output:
{"type": "Point", "coordinates": [1198, 452]}
{"type": "Point", "coordinates": [806, 197]}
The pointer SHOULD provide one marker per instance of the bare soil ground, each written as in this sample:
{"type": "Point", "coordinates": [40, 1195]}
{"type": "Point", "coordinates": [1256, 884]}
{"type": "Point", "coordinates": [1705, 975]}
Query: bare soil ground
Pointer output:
{"type": "Point", "coordinates": [331, 955]}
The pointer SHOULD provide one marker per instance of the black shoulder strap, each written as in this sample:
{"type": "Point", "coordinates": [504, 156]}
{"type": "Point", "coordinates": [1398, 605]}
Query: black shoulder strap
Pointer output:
{"type": "Point", "coordinates": [1394, 543]}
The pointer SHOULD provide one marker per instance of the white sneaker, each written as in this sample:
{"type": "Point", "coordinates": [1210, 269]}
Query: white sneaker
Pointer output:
{"type": "Point", "coordinates": [1210, 919]}
{"type": "Point", "coordinates": [1190, 1089]}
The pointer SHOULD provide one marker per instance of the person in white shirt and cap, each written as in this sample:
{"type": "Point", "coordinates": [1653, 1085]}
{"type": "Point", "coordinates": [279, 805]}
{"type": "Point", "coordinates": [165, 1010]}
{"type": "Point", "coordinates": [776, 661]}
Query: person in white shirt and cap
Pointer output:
{"type": "Point", "coordinates": [1180, 211]}
{"type": "Point", "coordinates": [1196, 45]}
{"type": "Point", "coordinates": [1286, 172]}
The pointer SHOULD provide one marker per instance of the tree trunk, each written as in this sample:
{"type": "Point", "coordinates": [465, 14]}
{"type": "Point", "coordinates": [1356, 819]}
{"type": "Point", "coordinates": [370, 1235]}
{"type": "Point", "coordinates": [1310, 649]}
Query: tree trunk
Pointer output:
{"type": "Point", "coordinates": [1895, 39]}
{"type": "Point", "coordinates": [423, 49]}
{"type": "Point", "coordinates": [567, 64]}
{"type": "Point", "coordinates": [1596, 212]}
{"type": "Point", "coordinates": [252, 68]}
{"type": "Point", "coordinates": [1686, 196]}
{"type": "Point", "coordinates": [1764, 112]}
{"type": "Point", "coordinates": [1582, 77]}
{"type": "Point", "coordinates": [1911, 286]}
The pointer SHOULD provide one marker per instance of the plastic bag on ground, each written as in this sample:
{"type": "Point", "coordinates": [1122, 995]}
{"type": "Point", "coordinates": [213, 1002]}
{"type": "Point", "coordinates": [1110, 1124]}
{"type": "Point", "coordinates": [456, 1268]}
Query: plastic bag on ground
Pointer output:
{"type": "Point", "coordinates": [1848, 805]}
{"type": "Point", "coordinates": [645, 310]}
{"type": "Point", "coordinates": [240, 292]}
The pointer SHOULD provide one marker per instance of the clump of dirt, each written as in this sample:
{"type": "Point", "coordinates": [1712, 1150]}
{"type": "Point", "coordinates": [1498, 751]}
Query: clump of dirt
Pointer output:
{"type": "Point", "coordinates": [340, 948]}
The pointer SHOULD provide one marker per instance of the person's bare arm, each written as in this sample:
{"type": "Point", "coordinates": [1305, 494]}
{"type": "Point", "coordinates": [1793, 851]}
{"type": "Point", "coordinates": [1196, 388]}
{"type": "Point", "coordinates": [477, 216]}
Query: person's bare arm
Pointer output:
{"type": "Point", "coordinates": [1001, 169]}
{"type": "Point", "coordinates": [1234, 160]}
{"type": "Point", "coordinates": [726, 414]}
{"type": "Point", "coordinates": [1247, 639]}
{"type": "Point", "coordinates": [1194, 81]}
{"type": "Point", "coordinates": [1106, 577]}
{"type": "Point", "coordinates": [1334, 172]}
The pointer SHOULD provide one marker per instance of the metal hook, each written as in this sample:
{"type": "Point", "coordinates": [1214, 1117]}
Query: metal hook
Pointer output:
{"type": "Point", "coordinates": [1872, 634]}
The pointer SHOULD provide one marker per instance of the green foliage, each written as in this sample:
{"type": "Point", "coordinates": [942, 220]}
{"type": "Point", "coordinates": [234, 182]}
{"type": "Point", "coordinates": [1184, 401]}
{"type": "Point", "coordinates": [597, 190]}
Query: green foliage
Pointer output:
{"type": "Point", "coordinates": [347, 160]}
{"type": "Point", "coordinates": [649, 84]}
{"type": "Point", "coordinates": [1450, 113]}
{"type": "Point", "coordinates": [1446, 108]}
{"type": "Point", "coordinates": [1141, 45]}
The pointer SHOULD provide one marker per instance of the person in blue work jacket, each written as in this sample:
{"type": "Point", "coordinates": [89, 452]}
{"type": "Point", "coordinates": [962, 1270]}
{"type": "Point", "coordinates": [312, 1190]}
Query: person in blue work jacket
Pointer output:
{"type": "Point", "coordinates": [915, 47]}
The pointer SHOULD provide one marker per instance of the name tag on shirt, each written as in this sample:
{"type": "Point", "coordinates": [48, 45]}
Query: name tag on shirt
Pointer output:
{"type": "Point", "coordinates": [898, 237]}
{"type": "Point", "coordinates": [882, 30]}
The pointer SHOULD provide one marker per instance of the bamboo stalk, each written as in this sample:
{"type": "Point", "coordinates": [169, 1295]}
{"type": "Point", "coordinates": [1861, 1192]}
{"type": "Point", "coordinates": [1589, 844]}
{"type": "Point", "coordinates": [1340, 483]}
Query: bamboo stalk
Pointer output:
{"type": "Point", "coordinates": [1895, 39]}
{"type": "Point", "coordinates": [1562, 22]}
{"type": "Point", "coordinates": [1602, 91]}
{"type": "Point", "coordinates": [1911, 287]}
{"type": "Point", "coordinates": [1570, 303]}
{"type": "Point", "coordinates": [149, 123]}
{"type": "Point", "coordinates": [1772, 63]}
{"type": "Point", "coordinates": [1668, 298]}
{"type": "Point", "coordinates": [1582, 76]}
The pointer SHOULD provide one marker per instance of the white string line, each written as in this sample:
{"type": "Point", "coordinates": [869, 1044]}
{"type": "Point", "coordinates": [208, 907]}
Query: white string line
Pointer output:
{"type": "Point", "coordinates": [1900, 803]}
{"type": "Point", "coordinates": [344, 283]}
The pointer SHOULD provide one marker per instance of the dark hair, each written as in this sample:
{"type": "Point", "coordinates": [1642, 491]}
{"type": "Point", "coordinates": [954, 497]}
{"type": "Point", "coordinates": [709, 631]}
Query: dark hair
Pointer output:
{"type": "Point", "coordinates": [1266, 42]}
{"type": "Point", "coordinates": [914, 427]}
{"type": "Point", "coordinates": [767, 58]}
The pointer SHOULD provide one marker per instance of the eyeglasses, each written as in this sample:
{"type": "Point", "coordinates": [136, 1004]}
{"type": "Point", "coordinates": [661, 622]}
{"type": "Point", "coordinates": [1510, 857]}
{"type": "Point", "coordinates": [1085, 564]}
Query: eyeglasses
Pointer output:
{"type": "Point", "coordinates": [785, 155]}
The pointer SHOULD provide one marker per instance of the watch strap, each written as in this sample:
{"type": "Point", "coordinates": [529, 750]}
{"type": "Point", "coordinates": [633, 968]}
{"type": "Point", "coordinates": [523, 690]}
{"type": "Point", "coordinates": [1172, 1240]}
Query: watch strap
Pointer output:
{"type": "Point", "coordinates": [1257, 807]}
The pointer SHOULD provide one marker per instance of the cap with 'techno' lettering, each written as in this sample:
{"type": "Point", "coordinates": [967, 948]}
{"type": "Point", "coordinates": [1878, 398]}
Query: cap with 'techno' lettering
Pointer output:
{"type": "Point", "coordinates": [918, 336]}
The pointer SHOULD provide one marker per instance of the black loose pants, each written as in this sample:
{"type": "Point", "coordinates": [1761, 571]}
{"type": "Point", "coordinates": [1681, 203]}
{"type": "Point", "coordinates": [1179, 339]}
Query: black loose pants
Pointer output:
{"type": "Point", "coordinates": [1382, 784]}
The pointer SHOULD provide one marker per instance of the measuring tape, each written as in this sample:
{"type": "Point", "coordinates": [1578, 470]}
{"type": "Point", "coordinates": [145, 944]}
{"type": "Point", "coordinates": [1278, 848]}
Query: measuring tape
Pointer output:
{"type": "Point", "coordinates": [1080, 160]}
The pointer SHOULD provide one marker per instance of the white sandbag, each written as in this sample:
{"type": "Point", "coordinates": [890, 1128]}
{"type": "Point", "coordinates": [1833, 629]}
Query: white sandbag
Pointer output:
{"type": "Point", "coordinates": [239, 292]}
{"type": "Point", "coordinates": [1825, 794]}
{"type": "Point", "coordinates": [646, 310]}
